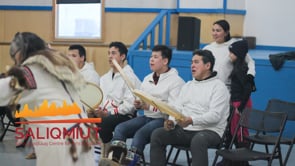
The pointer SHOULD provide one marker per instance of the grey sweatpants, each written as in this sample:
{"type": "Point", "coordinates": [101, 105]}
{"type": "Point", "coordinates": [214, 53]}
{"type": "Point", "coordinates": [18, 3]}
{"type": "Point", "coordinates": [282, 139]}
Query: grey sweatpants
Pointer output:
{"type": "Point", "coordinates": [198, 141]}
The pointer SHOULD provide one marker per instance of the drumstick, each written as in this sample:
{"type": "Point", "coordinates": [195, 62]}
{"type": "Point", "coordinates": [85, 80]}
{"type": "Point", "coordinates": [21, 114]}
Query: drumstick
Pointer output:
{"type": "Point", "coordinates": [165, 108]}
{"type": "Point", "coordinates": [124, 76]}
{"type": "Point", "coordinates": [144, 97]}
{"type": "Point", "coordinates": [162, 106]}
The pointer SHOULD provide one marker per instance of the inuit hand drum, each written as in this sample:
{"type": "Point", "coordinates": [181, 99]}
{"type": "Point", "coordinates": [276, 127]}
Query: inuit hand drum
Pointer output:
{"type": "Point", "coordinates": [91, 96]}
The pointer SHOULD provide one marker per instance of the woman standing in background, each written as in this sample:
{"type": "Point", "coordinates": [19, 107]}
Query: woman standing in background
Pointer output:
{"type": "Point", "coordinates": [241, 88]}
{"type": "Point", "coordinates": [219, 48]}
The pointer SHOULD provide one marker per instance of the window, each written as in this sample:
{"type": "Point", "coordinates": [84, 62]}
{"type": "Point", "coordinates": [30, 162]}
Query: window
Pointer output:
{"type": "Point", "coordinates": [79, 20]}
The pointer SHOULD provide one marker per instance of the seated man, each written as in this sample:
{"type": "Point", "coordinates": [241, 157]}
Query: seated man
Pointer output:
{"type": "Point", "coordinates": [163, 83]}
{"type": "Point", "coordinates": [78, 54]}
{"type": "Point", "coordinates": [204, 101]}
{"type": "Point", "coordinates": [117, 105]}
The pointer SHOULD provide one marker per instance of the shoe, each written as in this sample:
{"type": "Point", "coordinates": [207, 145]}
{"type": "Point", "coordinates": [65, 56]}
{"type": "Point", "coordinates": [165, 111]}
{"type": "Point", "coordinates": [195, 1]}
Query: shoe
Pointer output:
{"type": "Point", "coordinates": [131, 159]}
{"type": "Point", "coordinates": [31, 156]}
{"type": "Point", "coordinates": [118, 150]}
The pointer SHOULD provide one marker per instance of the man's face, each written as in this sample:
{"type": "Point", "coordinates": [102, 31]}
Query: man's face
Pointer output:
{"type": "Point", "coordinates": [157, 62]}
{"type": "Point", "coordinates": [75, 56]}
{"type": "Point", "coordinates": [199, 69]}
{"type": "Point", "coordinates": [113, 53]}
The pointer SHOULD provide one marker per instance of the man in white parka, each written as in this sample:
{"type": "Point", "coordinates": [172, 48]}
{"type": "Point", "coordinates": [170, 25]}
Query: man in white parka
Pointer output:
{"type": "Point", "coordinates": [78, 54]}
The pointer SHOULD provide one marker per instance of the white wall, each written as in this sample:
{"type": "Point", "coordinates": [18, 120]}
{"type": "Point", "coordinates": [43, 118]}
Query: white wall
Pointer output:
{"type": "Point", "coordinates": [236, 4]}
{"type": "Point", "coordinates": [207, 4]}
{"type": "Point", "coordinates": [271, 21]}
{"type": "Point", "coordinates": [165, 4]}
{"type": "Point", "coordinates": [26, 2]}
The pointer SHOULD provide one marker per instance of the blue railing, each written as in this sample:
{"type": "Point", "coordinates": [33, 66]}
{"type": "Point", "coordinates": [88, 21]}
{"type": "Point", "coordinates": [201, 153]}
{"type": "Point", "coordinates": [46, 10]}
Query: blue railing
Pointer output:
{"type": "Point", "coordinates": [147, 39]}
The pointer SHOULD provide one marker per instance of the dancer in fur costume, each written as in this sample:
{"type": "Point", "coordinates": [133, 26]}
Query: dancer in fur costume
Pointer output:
{"type": "Point", "coordinates": [46, 74]}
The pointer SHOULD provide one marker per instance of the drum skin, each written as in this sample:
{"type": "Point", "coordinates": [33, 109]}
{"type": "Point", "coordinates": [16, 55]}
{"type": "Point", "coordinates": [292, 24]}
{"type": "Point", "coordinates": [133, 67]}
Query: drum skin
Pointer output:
{"type": "Point", "coordinates": [91, 96]}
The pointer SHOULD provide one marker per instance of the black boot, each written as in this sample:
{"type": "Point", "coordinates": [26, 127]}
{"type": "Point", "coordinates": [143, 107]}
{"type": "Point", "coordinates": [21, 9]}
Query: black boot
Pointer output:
{"type": "Point", "coordinates": [119, 150]}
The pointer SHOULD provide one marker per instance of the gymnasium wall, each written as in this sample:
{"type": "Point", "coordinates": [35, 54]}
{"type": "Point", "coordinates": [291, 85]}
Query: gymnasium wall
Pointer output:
{"type": "Point", "coordinates": [123, 21]}
{"type": "Point", "coordinates": [125, 27]}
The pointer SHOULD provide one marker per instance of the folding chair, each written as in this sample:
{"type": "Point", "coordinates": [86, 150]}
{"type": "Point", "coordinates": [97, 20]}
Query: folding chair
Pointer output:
{"type": "Point", "coordinates": [179, 148]}
{"type": "Point", "coordinates": [259, 122]}
{"type": "Point", "coordinates": [6, 112]}
{"type": "Point", "coordinates": [275, 105]}
{"type": "Point", "coordinates": [2, 116]}
{"type": "Point", "coordinates": [223, 144]}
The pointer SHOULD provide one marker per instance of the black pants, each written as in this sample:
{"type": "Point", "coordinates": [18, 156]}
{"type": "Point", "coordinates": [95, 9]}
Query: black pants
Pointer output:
{"type": "Point", "coordinates": [108, 124]}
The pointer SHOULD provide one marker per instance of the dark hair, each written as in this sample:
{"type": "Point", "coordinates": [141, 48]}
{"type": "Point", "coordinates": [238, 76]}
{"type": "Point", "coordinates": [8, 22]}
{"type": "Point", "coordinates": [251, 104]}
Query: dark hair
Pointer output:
{"type": "Point", "coordinates": [27, 43]}
{"type": "Point", "coordinates": [165, 51]}
{"type": "Point", "coordinates": [207, 57]}
{"type": "Point", "coordinates": [121, 46]}
{"type": "Point", "coordinates": [226, 27]}
{"type": "Point", "coordinates": [239, 66]}
{"type": "Point", "coordinates": [80, 48]}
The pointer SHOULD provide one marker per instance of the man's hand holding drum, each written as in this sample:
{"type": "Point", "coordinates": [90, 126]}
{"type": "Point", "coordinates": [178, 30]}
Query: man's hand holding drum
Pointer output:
{"type": "Point", "coordinates": [101, 112]}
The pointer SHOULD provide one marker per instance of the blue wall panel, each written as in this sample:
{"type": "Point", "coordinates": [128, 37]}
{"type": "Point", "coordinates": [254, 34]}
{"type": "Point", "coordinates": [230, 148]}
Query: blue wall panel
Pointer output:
{"type": "Point", "coordinates": [273, 84]}
{"type": "Point", "coordinates": [139, 61]}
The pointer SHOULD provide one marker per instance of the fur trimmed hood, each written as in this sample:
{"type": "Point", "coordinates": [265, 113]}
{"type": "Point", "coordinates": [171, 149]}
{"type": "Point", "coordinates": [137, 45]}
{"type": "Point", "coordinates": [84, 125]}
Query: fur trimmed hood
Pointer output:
{"type": "Point", "coordinates": [65, 70]}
